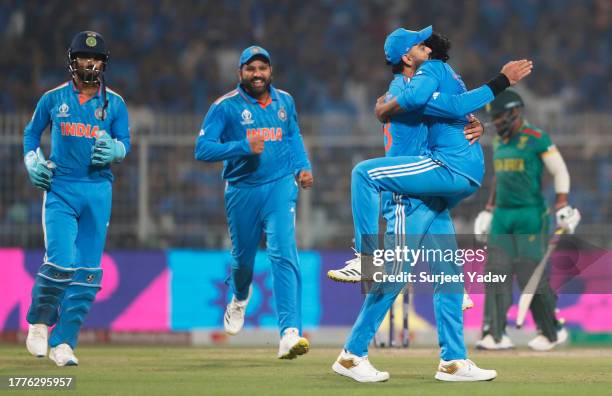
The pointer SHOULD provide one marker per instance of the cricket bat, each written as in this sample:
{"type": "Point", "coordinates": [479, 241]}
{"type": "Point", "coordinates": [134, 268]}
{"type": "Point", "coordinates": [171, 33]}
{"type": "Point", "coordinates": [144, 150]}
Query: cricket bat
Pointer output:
{"type": "Point", "coordinates": [532, 284]}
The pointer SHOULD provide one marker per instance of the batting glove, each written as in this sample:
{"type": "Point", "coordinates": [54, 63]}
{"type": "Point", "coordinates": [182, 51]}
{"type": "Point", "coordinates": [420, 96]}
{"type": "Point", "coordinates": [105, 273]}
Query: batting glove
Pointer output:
{"type": "Point", "coordinates": [568, 218]}
{"type": "Point", "coordinates": [39, 172]}
{"type": "Point", "coordinates": [482, 225]}
{"type": "Point", "coordinates": [106, 150]}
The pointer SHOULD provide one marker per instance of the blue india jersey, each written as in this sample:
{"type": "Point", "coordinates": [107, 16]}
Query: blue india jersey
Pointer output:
{"type": "Point", "coordinates": [233, 118]}
{"type": "Point", "coordinates": [430, 84]}
{"type": "Point", "coordinates": [75, 122]}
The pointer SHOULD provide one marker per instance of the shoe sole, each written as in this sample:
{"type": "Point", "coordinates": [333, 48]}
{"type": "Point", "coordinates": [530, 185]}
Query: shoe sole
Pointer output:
{"type": "Point", "coordinates": [37, 355]}
{"type": "Point", "coordinates": [482, 348]}
{"type": "Point", "coordinates": [68, 363]}
{"type": "Point", "coordinates": [343, 371]}
{"type": "Point", "coordinates": [300, 348]}
{"type": "Point", "coordinates": [455, 378]}
{"type": "Point", "coordinates": [333, 277]}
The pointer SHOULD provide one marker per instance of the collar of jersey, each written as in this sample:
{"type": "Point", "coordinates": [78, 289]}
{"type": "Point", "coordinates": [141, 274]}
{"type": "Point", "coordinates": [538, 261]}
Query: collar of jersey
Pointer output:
{"type": "Point", "coordinates": [76, 91]}
{"type": "Point", "coordinates": [249, 98]}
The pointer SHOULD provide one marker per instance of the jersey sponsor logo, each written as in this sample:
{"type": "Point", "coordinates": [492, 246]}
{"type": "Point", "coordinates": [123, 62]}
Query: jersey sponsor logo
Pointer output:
{"type": "Point", "coordinates": [272, 134]}
{"type": "Point", "coordinates": [282, 114]}
{"type": "Point", "coordinates": [509, 165]}
{"type": "Point", "coordinates": [63, 110]}
{"type": "Point", "coordinates": [79, 129]}
{"type": "Point", "coordinates": [247, 117]}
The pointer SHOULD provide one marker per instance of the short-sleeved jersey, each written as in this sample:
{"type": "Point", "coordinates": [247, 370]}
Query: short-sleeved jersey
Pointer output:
{"type": "Point", "coordinates": [518, 167]}
{"type": "Point", "coordinates": [75, 123]}
{"type": "Point", "coordinates": [233, 118]}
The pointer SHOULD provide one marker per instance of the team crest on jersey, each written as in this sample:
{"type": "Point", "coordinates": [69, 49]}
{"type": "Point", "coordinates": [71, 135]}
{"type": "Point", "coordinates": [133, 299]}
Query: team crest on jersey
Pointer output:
{"type": "Point", "coordinates": [282, 114]}
{"type": "Point", "coordinates": [63, 110]}
{"type": "Point", "coordinates": [100, 113]}
{"type": "Point", "coordinates": [247, 117]}
{"type": "Point", "coordinates": [522, 142]}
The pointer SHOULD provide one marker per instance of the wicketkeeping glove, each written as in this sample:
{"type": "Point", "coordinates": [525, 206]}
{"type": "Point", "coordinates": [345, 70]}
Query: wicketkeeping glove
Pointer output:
{"type": "Point", "coordinates": [106, 150]}
{"type": "Point", "coordinates": [39, 172]}
{"type": "Point", "coordinates": [568, 218]}
{"type": "Point", "coordinates": [482, 225]}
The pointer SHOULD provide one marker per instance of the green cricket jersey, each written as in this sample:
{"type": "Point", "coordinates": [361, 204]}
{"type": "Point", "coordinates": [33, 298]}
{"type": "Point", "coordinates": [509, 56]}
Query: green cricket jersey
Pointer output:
{"type": "Point", "coordinates": [518, 167]}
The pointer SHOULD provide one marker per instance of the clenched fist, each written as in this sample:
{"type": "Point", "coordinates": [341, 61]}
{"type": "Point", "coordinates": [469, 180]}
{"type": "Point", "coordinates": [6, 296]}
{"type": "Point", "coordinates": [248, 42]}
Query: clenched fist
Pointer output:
{"type": "Point", "coordinates": [256, 142]}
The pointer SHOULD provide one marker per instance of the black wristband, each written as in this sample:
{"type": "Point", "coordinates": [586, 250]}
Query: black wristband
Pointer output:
{"type": "Point", "coordinates": [498, 84]}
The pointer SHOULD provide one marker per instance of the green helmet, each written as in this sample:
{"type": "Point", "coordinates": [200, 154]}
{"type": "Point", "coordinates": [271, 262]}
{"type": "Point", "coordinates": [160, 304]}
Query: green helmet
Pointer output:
{"type": "Point", "coordinates": [505, 101]}
{"type": "Point", "coordinates": [500, 111]}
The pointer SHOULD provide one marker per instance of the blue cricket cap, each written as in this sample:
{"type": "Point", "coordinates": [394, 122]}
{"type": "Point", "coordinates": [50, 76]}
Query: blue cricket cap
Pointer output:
{"type": "Point", "coordinates": [252, 51]}
{"type": "Point", "coordinates": [401, 40]}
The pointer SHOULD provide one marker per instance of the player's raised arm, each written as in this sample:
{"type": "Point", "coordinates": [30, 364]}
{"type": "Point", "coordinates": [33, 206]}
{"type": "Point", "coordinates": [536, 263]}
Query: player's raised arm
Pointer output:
{"type": "Point", "coordinates": [209, 147]}
{"type": "Point", "coordinates": [452, 106]}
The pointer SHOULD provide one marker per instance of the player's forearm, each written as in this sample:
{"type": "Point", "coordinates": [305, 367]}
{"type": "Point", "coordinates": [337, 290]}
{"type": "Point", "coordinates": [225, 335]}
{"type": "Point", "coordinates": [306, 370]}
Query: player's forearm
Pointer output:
{"type": "Point", "coordinates": [388, 109]}
{"type": "Point", "coordinates": [211, 151]}
{"type": "Point", "coordinates": [561, 200]}
{"type": "Point", "coordinates": [458, 106]}
{"type": "Point", "coordinates": [299, 151]}
{"type": "Point", "coordinates": [31, 139]}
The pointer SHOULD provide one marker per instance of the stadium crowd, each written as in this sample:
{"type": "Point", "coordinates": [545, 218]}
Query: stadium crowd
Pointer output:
{"type": "Point", "coordinates": [177, 57]}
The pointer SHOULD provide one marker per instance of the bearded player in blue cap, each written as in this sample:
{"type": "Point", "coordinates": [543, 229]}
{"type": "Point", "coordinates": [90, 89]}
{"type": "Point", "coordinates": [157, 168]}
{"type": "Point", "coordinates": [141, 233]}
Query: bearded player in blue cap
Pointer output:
{"type": "Point", "coordinates": [89, 132]}
{"type": "Point", "coordinates": [254, 130]}
{"type": "Point", "coordinates": [407, 135]}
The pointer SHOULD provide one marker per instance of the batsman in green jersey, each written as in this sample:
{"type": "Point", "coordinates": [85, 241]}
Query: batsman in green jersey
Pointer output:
{"type": "Point", "coordinates": [516, 220]}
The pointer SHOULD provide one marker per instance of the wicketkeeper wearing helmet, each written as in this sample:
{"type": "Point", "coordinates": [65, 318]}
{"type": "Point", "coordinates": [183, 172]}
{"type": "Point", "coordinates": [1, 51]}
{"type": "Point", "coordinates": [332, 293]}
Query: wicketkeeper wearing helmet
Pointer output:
{"type": "Point", "coordinates": [89, 131]}
{"type": "Point", "coordinates": [516, 220]}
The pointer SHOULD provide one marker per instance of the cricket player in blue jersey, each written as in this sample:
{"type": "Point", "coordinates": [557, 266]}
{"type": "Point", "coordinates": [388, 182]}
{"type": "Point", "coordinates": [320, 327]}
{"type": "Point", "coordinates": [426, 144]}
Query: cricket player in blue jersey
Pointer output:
{"type": "Point", "coordinates": [410, 218]}
{"type": "Point", "coordinates": [89, 131]}
{"type": "Point", "coordinates": [254, 130]}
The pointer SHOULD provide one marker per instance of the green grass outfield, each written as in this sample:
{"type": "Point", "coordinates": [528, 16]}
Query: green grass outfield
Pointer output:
{"type": "Point", "coordinates": [118, 370]}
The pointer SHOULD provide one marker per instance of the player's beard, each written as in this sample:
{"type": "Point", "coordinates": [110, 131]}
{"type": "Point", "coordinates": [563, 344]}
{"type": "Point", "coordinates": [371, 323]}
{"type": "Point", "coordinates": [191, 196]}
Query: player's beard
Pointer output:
{"type": "Point", "coordinates": [89, 76]}
{"type": "Point", "coordinates": [253, 90]}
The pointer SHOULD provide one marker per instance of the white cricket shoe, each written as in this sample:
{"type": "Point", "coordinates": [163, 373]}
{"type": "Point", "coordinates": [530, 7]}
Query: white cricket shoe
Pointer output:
{"type": "Point", "coordinates": [543, 344]}
{"type": "Point", "coordinates": [467, 302]}
{"type": "Point", "coordinates": [488, 343]}
{"type": "Point", "coordinates": [233, 320]}
{"type": "Point", "coordinates": [358, 368]}
{"type": "Point", "coordinates": [351, 272]}
{"type": "Point", "coordinates": [63, 355]}
{"type": "Point", "coordinates": [292, 345]}
{"type": "Point", "coordinates": [38, 340]}
{"type": "Point", "coordinates": [463, 370]}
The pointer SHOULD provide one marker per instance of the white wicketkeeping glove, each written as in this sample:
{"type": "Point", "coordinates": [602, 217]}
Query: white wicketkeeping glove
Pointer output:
{"type": "Point", "coordinates": [568, 218]}
{"type": "Point", "coordinates": [482, 225]}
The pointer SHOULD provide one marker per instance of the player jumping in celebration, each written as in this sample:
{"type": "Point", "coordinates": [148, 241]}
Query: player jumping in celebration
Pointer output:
{"type": "Point", "coordinates": [254, 130]}
{"type": "Point", "coordinates": [403, 49]}
{"type": "Point", "coordinates": [89, 131]}
{"type": "Point", "coordinates": [516, 219]}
